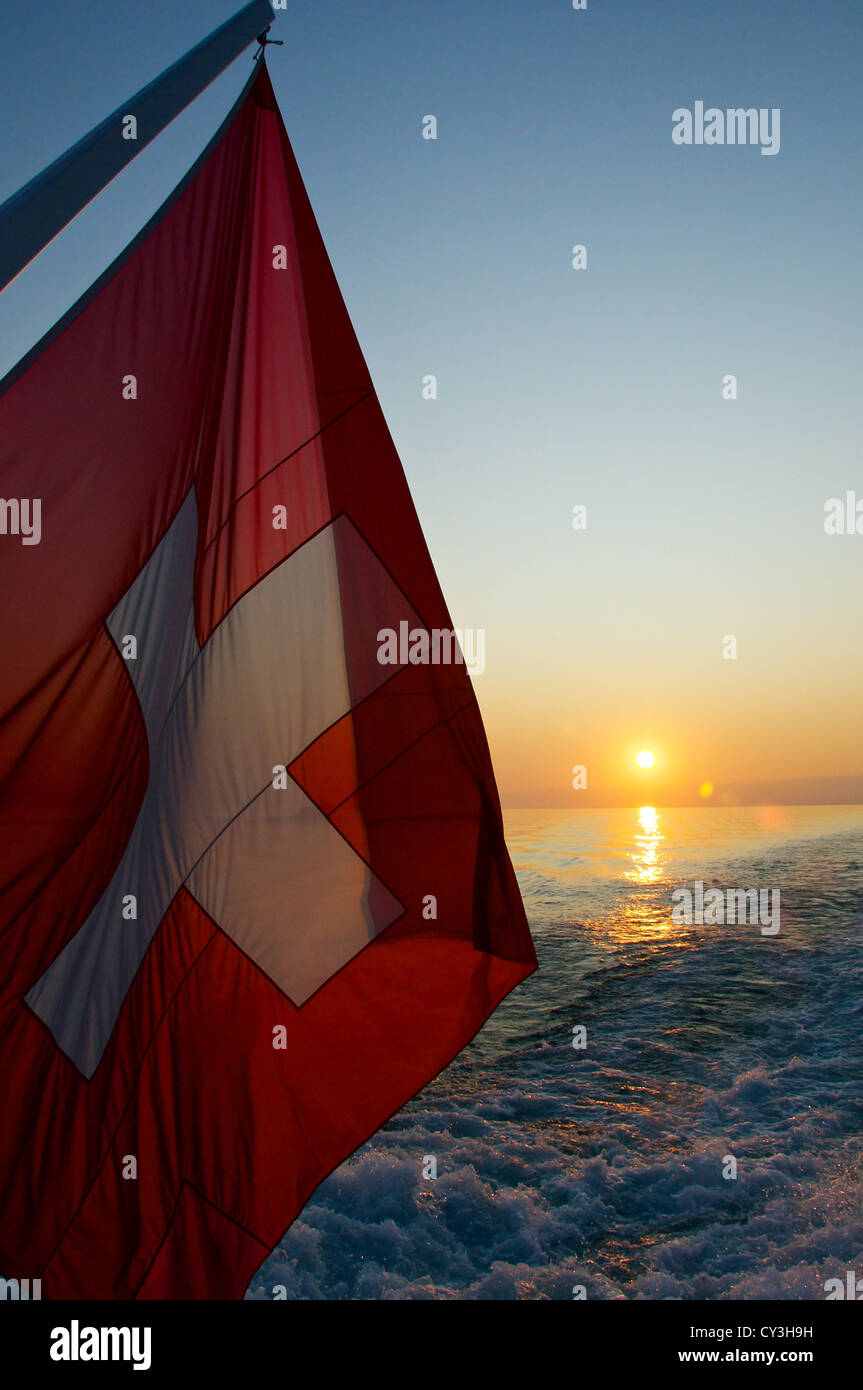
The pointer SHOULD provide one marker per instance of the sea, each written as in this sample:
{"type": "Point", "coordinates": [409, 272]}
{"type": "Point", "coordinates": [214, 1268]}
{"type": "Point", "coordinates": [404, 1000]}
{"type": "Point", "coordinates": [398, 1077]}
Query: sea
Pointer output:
{"type": "Point", "coordinates": [663, 1111]}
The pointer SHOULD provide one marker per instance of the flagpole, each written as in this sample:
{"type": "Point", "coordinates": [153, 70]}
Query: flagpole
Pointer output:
{"type": "Point", "coordinates": [39, 211]}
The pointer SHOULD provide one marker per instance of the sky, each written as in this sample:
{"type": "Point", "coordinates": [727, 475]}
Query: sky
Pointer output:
{"type": "Point", "coordinates": [557, 387]}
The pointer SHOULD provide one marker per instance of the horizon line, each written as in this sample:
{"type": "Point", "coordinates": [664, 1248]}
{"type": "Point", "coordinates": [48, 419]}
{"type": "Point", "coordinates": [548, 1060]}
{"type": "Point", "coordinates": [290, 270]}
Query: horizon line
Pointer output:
{"type": "Point", "coordinates": [703, 804]}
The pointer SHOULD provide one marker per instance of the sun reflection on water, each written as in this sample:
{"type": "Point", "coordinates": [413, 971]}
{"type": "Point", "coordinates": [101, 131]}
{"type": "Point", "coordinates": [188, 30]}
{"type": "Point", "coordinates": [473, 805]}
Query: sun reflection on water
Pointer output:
{"type": "Point", "coordinates": [646, 859]}
{"type": "Point", "coordinates": [641, 913]}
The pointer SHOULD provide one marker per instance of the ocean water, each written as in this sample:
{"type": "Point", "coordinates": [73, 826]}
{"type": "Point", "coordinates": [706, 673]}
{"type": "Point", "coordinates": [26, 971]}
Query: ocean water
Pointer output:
{"type": "Point", "coordinates": [603, 1166]}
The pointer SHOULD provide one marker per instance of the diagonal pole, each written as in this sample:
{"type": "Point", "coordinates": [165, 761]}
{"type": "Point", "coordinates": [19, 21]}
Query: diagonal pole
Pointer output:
{"type": "Point", "coordinates": [39, 211]}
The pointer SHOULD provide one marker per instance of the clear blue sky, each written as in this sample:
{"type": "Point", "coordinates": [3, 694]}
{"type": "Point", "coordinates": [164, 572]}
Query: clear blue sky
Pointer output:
{"type": "Point", "coordinates": [558, 386]}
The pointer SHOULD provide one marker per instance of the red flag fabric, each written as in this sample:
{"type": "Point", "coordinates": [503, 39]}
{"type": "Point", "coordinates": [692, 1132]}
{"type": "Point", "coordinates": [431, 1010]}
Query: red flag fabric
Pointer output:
{"type": "Point", "coordinates": [254, 891]}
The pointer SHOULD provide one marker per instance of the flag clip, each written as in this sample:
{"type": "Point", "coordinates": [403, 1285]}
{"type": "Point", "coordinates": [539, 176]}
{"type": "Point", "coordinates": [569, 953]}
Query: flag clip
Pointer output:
{"type": "Point", "coordinates": [263, 41]}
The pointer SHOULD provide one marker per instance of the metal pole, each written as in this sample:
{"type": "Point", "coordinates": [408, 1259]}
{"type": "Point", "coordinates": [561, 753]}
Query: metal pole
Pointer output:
{"type": "Point", "coordinates": [33, 216]}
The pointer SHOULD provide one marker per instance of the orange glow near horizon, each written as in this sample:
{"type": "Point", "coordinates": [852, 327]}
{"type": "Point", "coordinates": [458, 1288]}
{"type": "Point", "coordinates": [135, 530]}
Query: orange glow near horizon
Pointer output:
{"type": "Point", "coordinates": [701, 758]}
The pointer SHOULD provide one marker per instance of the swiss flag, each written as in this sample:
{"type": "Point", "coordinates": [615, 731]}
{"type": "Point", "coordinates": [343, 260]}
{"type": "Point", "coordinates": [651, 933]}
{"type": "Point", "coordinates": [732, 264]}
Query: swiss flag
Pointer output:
{"type": "Point", "coordinates": [254, 891]}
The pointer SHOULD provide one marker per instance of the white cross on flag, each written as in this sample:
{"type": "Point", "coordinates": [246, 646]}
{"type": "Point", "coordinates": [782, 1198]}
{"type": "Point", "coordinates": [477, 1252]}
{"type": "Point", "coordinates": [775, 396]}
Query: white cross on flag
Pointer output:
{"type": "Point", "coordinates": [254, 888]}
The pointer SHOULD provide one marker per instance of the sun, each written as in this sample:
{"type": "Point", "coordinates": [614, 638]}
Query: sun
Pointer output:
{"type": "Point", "coordinates": [645, 758]}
